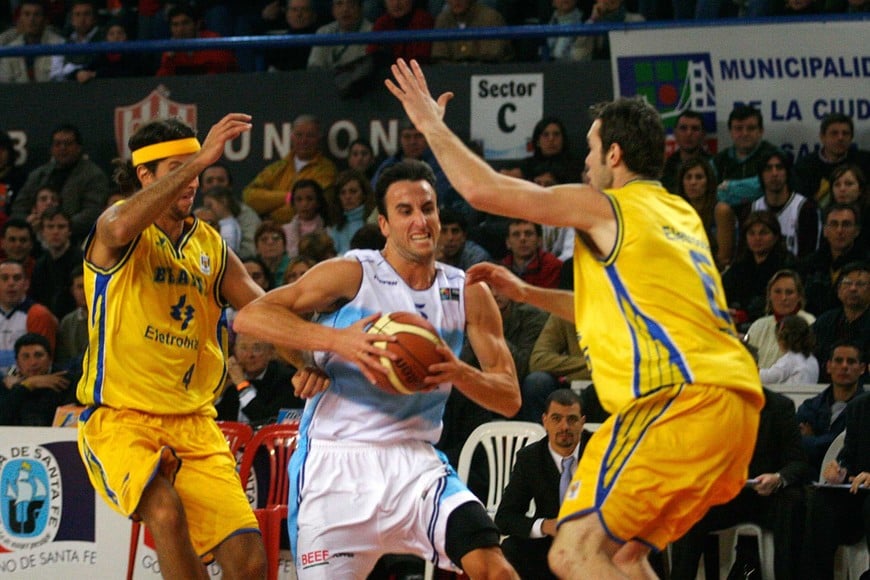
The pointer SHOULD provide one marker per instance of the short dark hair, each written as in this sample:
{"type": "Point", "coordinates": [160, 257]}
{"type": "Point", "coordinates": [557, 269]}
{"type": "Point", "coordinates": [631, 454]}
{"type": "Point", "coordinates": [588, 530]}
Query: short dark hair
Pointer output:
{"type": "Point", "coordinates": [225, 167]}
{"type": "Point", "coordinates": [834, 118]}
{"type": "Point", "coordinates": [859, 266]}
{"type": "Point", "coordinates": [68, 128]}
{"type": "Point", "coordinates": [690, 114]}
{"type": "Point", "coordinates": [565, 397]}
{"type": "Point", "coordinates": [842, 207]}
{"type": "Point", "coordinates": [539, 229]}
{"type": "Point", "coordinates": [368, 237]}
{"type": "Point", "coordinates": [847, 343]}
{"type": "Point", "coordinates": [29, 339]}
{"type": "Point", "coordinates": [405, 170]}
{"type": "Point", "coordinates": [782, 156]}
{"type": "Point", "coordinates": [55, 211]}
{"type": "Point", "coordinates": [636, 127]}
{"type": "Point", "coordinates": [157, 131]}
{"type": "Point", "coordinates": [450, 216]}
{"type": "Point", "coordinates": [743, 112]}
{"type": "Point", "coordinates": [19, 223]}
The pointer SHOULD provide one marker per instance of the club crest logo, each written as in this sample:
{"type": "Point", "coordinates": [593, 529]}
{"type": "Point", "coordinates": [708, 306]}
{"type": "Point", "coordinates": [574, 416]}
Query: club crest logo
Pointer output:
{"type": "Point", "coordinates": [156, 105]}
{"type": "Point", "coordinates": [673, 84]}
{"type": "Point", "coordinates": [30, 497]}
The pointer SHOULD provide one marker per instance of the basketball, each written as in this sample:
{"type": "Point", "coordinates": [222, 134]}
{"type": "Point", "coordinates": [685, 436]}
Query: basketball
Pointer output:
{"type": "Point", "coordinates": [415, 345]}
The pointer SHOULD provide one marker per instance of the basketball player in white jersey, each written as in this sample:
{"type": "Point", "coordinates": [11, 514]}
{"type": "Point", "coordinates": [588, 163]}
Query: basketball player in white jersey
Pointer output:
{"type": "Point", "coordinates": [366, 479]}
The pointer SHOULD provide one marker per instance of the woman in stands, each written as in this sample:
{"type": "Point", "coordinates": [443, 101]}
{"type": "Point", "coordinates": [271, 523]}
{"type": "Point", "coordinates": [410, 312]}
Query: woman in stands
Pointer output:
{"type": "Point", "coordinates": [696, 183]}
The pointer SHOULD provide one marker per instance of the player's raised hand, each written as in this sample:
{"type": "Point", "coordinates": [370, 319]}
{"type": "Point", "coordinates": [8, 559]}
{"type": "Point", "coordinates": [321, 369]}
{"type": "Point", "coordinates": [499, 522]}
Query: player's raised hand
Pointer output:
{"type": "Point", "coordinates": [227, 129]}
{"type": "Point", "coordinates": [499, 278]}
{"type": "Point", "coordinates": [358, 346]}
{"type": "Point", "coordinates": [412, 91]}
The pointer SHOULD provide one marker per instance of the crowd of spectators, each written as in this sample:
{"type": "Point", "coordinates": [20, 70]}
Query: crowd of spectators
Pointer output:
{"type": "Point", "coordinates": [26, 22]}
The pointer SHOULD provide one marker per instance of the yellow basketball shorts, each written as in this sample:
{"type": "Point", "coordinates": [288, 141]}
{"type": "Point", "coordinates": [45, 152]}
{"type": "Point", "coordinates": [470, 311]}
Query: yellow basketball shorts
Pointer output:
{"type": "Point", "coordinates": [123, 450]}
{"type": "Point", "coordinates": [655, 468]}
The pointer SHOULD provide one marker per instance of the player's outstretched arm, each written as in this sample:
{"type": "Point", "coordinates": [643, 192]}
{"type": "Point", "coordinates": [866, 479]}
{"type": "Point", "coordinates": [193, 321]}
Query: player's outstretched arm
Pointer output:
{"type": "Point", "coordinates": [558, 302]}
{"type": "Point", "coordinates": [275, 317]}
{"type": "Point", "coordinates": [120, 224]}
{"type": "Point", "coordinates": [494, 386]}
{"type": "Point", "coordinates": [577, 206]}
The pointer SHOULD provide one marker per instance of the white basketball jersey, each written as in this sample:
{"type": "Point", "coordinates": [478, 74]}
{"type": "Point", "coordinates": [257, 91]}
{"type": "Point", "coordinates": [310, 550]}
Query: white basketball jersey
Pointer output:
{"type": "Point", "coordinates": [352, 409]}
{"type": "Point", "coordinates": [787, 217]}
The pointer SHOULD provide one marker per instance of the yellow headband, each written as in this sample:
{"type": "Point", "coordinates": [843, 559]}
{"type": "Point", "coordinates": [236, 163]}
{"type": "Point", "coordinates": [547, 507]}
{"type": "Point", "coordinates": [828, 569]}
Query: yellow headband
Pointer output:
{"type": "Point", "coordinates": [164, 150]}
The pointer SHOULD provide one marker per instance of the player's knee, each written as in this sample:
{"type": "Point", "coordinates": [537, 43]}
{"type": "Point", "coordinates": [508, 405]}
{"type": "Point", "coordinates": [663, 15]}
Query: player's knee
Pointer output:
{"type": "Point", "coordinates": [161, 509]}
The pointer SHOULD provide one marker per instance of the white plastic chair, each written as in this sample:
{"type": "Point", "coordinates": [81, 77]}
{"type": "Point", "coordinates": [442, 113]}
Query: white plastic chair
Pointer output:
{"type": "Point", "coordinates": [849, 561]}
{"type": "Point", "coordinates": [728, 540]}
{"type": "Point", "coordinates": [501, 440]}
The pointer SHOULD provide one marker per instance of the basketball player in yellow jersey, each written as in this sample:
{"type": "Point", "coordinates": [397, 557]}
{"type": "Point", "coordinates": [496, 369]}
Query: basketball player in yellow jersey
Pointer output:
{"type": "Point", "coordinates": [651, 316]}
{"type": "Point", "coordinates": [156, 282]}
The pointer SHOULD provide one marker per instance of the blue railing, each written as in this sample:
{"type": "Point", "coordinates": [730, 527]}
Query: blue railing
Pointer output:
{"type": "Point", "coordinates": [392, 37]}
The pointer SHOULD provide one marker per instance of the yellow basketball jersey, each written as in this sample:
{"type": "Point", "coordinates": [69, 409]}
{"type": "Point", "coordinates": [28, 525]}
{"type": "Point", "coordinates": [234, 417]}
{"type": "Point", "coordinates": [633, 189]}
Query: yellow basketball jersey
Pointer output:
{"type": "Point", "coordinates": [653, 312]}
{"type": "Point", "coordinates": [157, 334]}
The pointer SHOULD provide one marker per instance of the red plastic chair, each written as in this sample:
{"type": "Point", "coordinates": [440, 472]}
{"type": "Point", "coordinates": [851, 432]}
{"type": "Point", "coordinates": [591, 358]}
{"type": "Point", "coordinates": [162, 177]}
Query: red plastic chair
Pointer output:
{"type": "Point", "coordinates": [237, 435]}
{"type": "Point", "coordinates": [279, 441]}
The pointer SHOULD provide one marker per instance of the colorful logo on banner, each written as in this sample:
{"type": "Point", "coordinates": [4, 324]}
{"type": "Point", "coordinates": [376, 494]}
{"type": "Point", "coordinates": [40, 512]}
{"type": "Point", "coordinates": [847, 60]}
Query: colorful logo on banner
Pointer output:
{"type": "Point", "coordinates": [32, 510]}
{"type": "Point", "coordinates": [156, 105]}
{"type": "Point", "coordinates": [672, 83]}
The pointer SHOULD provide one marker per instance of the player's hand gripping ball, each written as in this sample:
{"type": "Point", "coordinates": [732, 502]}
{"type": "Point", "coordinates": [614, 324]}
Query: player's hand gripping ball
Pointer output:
{"type": "Point", "coordinates": [415, 345]}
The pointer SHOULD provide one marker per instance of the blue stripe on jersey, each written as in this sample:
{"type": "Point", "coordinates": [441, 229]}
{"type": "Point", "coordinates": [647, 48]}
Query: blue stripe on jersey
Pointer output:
{"type": "Point", "coordinates": [658, 334]}
{"type": "Point", "coordinates": [101, 291]}
{"type": "Point", "coordinates": [296, 471]}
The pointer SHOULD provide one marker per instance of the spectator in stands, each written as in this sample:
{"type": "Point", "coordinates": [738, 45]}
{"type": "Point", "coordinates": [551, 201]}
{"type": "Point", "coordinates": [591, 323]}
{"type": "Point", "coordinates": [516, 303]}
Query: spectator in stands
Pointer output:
{"type": "Point", "coordinates": [696, 183]}
{"type": "Point", "coordinates": [83, 186]}
{"type": "Point", "coordinates": [115, 64]}
{"type": "Point", "coordinates": [462, 14]}
{"type": "Point", "coordinates": [565, 12]}
{"type": "Point", "coordinates": [258, 271]}
{"type": "Point", "coordinates": [774, 499]}
{"type": "Point", "coordinates": [298, 266]}
{"type": "Point", "coordinates": [267, 193]}
{"type": "Point", "coordinates": [72, 335]}
{"type": "Point", "coordinates": [20, 314]}
{"type": "Point", "coordinates": [521, 324]}
{"type": "Point", "coordinates": [258, 385]}
{"type": "Point", "coordinates": [785, 297]}
{"type": "Point", "coordinates": [525, 257]}
{"type": "Point", "coordinates": [33, 392]}
{"type": "Point", "coordinates": [559, 241]}
{"type": "Point", "coordinates": [17, 243]}
{"type": "Point", "coordinates": [821, 269]}
{"type": "Point", "coordinates": [598, 47]}
{"type": "Point", "coordinates": [841, 516]}
{"type": "Point", "coordinates": [798, 216]}
{"type": "Point", "coordinates": [83, 22]}
{"type": "Point", "coordinates": [762, 253]}
{"type": "Point", "coordinates": [689, 138]}
{"type": "Point", "coordinates": [551, 152]}
{"type": "Point", "coordinates": [31, 29]}
{"type": "Point", "coordinates": [738, 166]}
{"type": "Point", "coordinates": [403, 15]}
{"type": "Point", "coordinates": [361, 157]}
{"type": "Point", "coordinates": [310, 213]}
{"type": "Point", "coordinates": [46, 198]}
{"type": "Point", "coordinates": [797, 365]}
{"type": "Point", "coordinates": [218, 175]}
{"type": "Point", "coordinates": [271, 247]}
{"type": "Point", "coordinates": [348, 18]}
{"type": "Point", "coordinates": [555, 361]}
{"type": "Point", "coordinates": [537, 476]}
{"type": "Point", "coordinates": [184, 24]}
{"type": "Point", "coordinates": [813, 170]}
{"type": "Point", "coordinates": [821, 418]}
{"type": "Point", "coordinates": [454, 247]}
{"type": "Point", "coordinates": [849, 185]}
{"type": "Point", "coordinates": [355, 201]}
{"type": "Point", "coordinates": [301, 18]}
{"type": "Point", "coordinates": [50, 280]}
{"type": "Point", "coordinates": [850, 321]}
{"type": "Point", "coordinates": [12, 177]}
{"type": "Point", "coordinates": [318, 246]}
{"type": "Point", "coordinates": [225, 207]}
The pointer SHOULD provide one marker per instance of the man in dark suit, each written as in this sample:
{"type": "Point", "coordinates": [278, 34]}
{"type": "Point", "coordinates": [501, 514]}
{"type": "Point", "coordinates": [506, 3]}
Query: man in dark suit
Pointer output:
{"type": "Point", "coordinates": [537, 476]}
{"type": "Point", "coordinates": [258, 385]}
{"type": "Point", "coordinates": [774, 499]}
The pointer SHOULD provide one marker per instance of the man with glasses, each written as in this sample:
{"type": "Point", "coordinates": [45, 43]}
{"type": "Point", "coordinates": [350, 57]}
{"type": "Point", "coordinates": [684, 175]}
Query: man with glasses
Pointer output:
{"type": "Point", "coordinates": [821, 269]}
{"type": "Point", "coordinates": [83, 186]}
{"type": "Point", "coordinates": [851, 320]}
{"type": "Point", "coordinates": [537, 476]}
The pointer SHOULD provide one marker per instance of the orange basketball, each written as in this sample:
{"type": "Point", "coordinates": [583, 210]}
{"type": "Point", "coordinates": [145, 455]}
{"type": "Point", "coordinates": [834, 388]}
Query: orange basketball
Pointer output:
{"type": "Point", "coordinates": [415, 344]}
